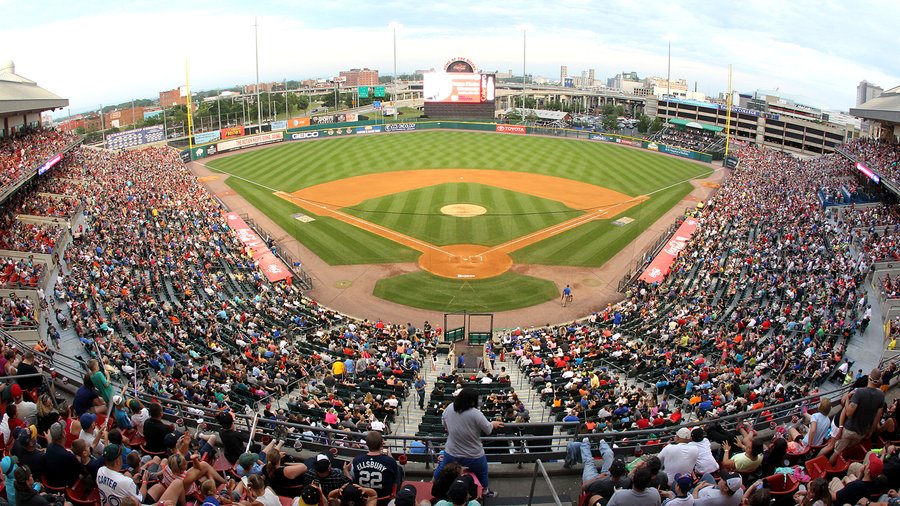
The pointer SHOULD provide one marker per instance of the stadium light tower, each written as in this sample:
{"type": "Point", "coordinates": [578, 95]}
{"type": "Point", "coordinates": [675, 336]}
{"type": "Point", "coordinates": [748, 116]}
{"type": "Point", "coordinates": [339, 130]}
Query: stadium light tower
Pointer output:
{"type": "Point", "coordinates": [669, 37]}
{"type": "Point", "coordinates": [258, 105]}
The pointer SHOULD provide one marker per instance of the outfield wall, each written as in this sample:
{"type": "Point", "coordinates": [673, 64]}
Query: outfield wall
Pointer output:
{"type": "Point", "coordinates": [371, 127]}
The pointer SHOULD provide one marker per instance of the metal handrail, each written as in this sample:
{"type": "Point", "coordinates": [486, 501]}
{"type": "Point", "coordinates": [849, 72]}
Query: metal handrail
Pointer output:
{"type": "Point", "coordinates": [539, 466]}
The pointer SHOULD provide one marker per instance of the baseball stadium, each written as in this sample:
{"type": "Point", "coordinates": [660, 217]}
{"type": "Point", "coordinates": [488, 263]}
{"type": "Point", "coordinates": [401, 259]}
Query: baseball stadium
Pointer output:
{"type": "Point", "coordinates": [459, 289]}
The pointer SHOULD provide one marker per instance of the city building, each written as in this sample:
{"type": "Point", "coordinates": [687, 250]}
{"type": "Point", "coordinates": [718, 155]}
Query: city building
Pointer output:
{"type": "Point", "coordinates": [590, 78]}
{"type": "Point", "coordinates": [121, 118]}
{"type": "Point", "coordinates": [563, 74]}
{"type": "Point", "coordinates": [866, 91]}
{"type": "Point", "coordinates": [628, 82]}
{"type": "Point", "coordinates": [786, 132]}
{"type": "Point", "coordinates": [171, 98]}
{"type": "Point", "coordinates": [881, 115]}
{"type": "Point", "coordinates": [360, 77]}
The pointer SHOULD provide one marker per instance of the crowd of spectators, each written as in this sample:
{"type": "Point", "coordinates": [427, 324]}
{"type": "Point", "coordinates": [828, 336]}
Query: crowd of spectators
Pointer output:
{"type": "Point", "coordinates": [19, 273]}
{"type": "Point", "coordinates": [877, 155]}
{"type": "Point", "coordinates": [17, 313]}
{"type": "Point", "coordinates": [755, 311]}
{"type": "Point", "coordinates": [23, 152]}
{"type": "Point", "coordinates": [28, 237]}
{"type": "Point", "coordinates": [697, 140]}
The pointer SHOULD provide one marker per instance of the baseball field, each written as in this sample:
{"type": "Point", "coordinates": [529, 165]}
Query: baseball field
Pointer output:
{"type": "Point", "coordinates": [467, 207]}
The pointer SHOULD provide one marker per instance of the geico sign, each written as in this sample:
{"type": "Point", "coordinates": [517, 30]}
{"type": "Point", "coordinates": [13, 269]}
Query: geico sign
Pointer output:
{"type": "Point", "coordinates": [511, 129]}
{"type": "Point", "coordinates": [304, 135]}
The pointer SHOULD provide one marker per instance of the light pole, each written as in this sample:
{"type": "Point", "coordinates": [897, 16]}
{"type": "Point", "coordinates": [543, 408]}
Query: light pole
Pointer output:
{"type": "Point", "coordinates": [258, 105]}
{"type": "Point", "coordinates": [669, 71]}
{"type": "Point", "coordinates": [219, 107]}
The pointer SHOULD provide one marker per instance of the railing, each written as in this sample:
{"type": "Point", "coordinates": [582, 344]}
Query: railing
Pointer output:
{"type": "Point", "coordinates": [304, 278]}
{"type": "Point", "coordinates": [539, 466]}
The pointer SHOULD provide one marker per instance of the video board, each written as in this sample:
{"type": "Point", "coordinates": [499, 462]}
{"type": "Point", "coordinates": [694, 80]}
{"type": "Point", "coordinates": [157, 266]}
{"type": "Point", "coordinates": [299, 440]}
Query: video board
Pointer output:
{"type": "Point", "coordinates": [458, 87]}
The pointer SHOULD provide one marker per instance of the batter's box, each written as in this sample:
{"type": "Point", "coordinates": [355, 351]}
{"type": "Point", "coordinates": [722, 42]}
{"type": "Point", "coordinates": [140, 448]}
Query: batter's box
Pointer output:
{"type": "Point", "coordinates": [303, 218]}
{"type": "Point", "coordinates": [454, 259]}
{"type": "Point", "coordinates": [624, 220]}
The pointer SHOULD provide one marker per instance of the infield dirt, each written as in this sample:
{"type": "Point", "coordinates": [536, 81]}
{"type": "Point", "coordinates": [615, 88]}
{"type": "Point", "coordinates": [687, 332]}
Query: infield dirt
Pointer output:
{"type": "Point", "coordinates": [462, 261]}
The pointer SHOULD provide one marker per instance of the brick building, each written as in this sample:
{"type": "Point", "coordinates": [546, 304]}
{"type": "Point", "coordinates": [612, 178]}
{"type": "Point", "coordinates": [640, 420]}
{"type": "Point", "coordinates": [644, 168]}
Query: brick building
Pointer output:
{"type": "Point", "coordinates": [171, 98]}
{"type": "Point", "coordinates": [360, 77]}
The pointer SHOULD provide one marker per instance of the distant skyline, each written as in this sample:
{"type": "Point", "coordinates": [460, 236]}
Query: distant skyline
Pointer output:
{"type": "Point", "coordinates": [111, 52]}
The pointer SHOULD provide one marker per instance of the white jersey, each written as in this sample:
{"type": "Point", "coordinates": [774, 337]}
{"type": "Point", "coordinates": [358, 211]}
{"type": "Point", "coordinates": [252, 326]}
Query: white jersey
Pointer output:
{"type": "Point", "coordinates": [115, 486]}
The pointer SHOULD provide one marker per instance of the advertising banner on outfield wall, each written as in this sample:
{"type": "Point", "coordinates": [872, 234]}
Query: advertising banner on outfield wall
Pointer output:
{"type": "Point", "coordinates": [677, 151]}
{"type": "Point", "coordinates": [400, 127]}
{"type": "Point", "coordinates": [298, 122]}
{"type": "Point", "coordinates": [279, 125]}
{"type": "Point", "coordinates": [332, 132]}
{"type": "Point", "coordinates": [205, 137]}
{"type": "Point", "coordinates": [511, 129]}
{"type": "Point", "coordinates": [369, 129]}
{"type": "Point", "coordinates": [247, 142]}
{"type": "Point", "coordinates": [236, 131]}
{"type": "Point", "coordinates": [302, 136]}
{"type": "Point", "coordinates": [659, 267]}
{"type": "Point", "coordinates": [269, 264]}
{"type": "Point", "coordinates": [604, 138]}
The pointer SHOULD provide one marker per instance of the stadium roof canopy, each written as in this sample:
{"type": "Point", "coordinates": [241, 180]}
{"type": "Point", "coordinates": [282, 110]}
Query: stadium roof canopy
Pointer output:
{"type": "Point", "coordinates": [19, 94]}
{"type": "Point", "coordinates": [695, 124]}
{"type": "Point", "coordinates": [883, 108]}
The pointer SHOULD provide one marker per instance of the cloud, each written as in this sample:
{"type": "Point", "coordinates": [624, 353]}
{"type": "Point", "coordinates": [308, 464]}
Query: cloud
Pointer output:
{"type": "Point", "coordinates": [111, 52]}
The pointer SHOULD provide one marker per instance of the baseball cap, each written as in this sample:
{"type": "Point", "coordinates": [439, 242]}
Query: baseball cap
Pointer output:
{"type": "Point", "coordinates": [247, 460]}
{"type": "Point", "coordinates": [111, 452]}
{"type": "Point", "coordinates": [618, 468]}
{"type": "Point", "coordinates": [733, 480]}
{"type": "Point", "coordinates": [118, 400]}
{"type": "Point", "coordinates": [171, 440]}
{"type": "Point", "coordinates": [87, 420]}
{"type": "Point", "coordinates": [27, 435]}
{"type": "Point", "coordinates": [406, 496]}
{"type": "Point", "coordinates": [683, 433]}
{"type": "Point", "coordinates": [309, 497]}
{"type": "Point", "coordinates": [8, 464]}
{"type": "Point", "coordinates": [15, 390]}
{"type": "Point", "coordinates": [684, 482]}
{"type": "Point", "coordinates": [323, 463]}
{"type": "Point", "coordinates": [458, 491]}
{"type": "Point", "coordinates": [876, 465]}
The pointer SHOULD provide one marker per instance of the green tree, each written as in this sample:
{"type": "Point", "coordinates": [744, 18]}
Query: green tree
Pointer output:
{"type": "Point", "coordinates": [643, 123]}
{"type": "Point", "coordinates": [657, 125]}
{"type": "Point", "coordinates": [610, 124]}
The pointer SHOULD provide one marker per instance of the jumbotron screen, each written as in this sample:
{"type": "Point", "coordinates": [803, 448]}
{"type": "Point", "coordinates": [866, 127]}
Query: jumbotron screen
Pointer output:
{"type": "Point", "coordinates": [457, 87]}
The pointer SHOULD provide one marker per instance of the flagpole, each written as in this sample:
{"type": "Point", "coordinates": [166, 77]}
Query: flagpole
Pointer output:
{"type": "Point", "coordinates": [728, 114]}
{"type": "Point", "coordinates": [190, 112]}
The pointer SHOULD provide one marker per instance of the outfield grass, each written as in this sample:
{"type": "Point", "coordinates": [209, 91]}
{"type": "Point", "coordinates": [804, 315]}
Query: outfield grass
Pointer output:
{"type": "Point", "coordinates": [417, 213]}
{"type": "Point", "coordinates": [502, 293]}
{"type": "Point", "coordinates": [295, 165]}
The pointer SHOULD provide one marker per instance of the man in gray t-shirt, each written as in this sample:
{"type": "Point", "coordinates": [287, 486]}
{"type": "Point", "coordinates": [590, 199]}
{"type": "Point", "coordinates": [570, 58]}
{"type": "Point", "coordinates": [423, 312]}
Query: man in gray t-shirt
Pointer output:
{"type": "Point", "coordinates": [861, 415]}
{"type": "Point", "coordinates": [640, 493]}
{"type": "Point", "coordinates": [465, 425]}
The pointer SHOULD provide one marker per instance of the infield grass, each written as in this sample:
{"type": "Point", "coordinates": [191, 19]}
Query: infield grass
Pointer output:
{"type": "Point", "coordinates": [417, 213]}
{"type": "Point", "coordinates": [501, 293]}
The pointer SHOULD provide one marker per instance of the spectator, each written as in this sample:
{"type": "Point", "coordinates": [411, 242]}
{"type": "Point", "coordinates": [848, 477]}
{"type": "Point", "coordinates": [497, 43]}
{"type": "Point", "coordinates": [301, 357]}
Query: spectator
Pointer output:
{"type": "Point", "coordinates": [640, 493]}
{"type": "Point", "coordinates": [861, 415]}
{"type": "Point", "coordinates": [679, 457]}
{"type": "Point", "coordinates": [727, 491]}
{"type": "Point", "coordinates": [465, 424]}
{"type": "Point", "coordinates": [66, 466]}
{"type": "Point", "coordinates": [376, 470]}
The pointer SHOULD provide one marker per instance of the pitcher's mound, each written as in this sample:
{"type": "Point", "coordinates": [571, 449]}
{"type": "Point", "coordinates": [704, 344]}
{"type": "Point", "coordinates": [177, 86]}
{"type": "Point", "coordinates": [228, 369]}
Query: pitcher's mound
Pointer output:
{"type": "Point", "coordinates": [463, 210]}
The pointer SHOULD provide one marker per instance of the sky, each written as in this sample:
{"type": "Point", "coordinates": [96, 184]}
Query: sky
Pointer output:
{"type": "Point", "coordinates": [105, 52]}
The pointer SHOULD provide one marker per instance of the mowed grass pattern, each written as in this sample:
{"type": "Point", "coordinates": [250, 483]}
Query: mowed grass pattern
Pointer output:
{"type": "Point", "coordinates": [295, 165]}
{"type": "Point", "coordinates": [501, 293]}
{"type": "Point", "coordinates": [417, 213]}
